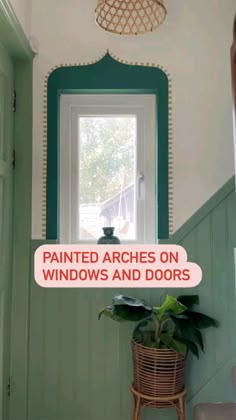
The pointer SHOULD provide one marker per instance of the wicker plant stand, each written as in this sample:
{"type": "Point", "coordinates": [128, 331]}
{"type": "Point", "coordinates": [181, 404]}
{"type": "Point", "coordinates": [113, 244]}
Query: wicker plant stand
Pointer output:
{"type": "Point", "coordinates": [158, 379]}
{"type": "Point", "coordinates": [173, 401]}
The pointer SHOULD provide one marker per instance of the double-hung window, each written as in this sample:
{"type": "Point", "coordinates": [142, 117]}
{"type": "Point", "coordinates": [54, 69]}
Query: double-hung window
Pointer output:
{"type": "Point", "coordinates": [108, 168]}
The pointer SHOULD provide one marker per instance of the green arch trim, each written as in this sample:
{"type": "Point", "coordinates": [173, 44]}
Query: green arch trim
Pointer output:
{"type": "Point", "coordinates": [107, 76]}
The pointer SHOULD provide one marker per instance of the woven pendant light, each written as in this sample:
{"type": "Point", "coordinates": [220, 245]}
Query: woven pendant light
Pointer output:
{"type": "Point", "coordinates": [130, 17]}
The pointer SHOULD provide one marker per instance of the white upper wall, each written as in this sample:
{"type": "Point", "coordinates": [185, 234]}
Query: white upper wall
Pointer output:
{"type": "Point", "coordinates": [22, 9]}
{"type": "Point", "coordinates": [193, 45]}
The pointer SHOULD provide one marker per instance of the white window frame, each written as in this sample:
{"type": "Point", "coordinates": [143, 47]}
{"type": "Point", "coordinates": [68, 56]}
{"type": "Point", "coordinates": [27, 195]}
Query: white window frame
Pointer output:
{"type": "Point", "coordinates": [144, 108]}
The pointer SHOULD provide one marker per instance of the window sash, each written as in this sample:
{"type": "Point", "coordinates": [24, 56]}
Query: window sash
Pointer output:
{"type": "Point", "coordinates": [141, 106]}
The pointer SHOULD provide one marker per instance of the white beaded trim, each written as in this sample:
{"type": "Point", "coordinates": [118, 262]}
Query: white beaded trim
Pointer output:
{"type": "Point", "coordinates": [170, 134]}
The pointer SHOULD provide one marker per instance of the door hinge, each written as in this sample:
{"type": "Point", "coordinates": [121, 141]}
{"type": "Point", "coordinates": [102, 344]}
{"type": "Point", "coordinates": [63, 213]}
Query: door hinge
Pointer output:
{"type": "Point", "coordinates": [9, 387]}
{"type": "Point", "coordinates": [14, 101]}
{"type": "Point", "coordinates": [13, 159]}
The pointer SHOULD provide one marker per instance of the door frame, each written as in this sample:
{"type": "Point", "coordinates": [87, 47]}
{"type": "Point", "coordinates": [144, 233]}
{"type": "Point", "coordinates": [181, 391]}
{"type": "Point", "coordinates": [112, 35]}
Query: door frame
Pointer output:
{"type": "Point", "coordinates": [233, 71]}
{"type": "Point", "coordinates": [17, 45]}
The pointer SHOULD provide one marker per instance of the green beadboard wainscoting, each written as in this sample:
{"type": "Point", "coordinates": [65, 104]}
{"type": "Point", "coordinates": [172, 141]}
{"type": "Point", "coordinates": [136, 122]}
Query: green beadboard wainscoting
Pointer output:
{"type": "Point", "coordinates": [209, 238]}
{"type": "Point", "coordinates": [80, 368]}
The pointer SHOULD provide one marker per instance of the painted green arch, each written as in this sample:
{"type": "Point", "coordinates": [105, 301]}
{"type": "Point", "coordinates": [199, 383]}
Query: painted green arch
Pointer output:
{"type": "Point", "coordinates": [107, 76]}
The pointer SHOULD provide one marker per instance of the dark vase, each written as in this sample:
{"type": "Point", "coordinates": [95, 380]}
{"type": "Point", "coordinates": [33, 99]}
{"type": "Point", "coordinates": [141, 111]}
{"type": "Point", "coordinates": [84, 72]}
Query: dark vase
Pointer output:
{"type": "Point", "coordinates": [108, 238]}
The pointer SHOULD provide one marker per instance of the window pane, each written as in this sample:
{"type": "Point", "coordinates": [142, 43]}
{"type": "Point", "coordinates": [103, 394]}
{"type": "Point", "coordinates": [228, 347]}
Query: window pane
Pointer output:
{"type": "Point", "coordinates": [107, 168]}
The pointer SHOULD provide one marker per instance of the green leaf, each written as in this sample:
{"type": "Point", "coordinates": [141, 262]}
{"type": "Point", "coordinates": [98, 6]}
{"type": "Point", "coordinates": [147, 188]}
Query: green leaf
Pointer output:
{"type": "Point", "coordinates": [172, 343]}
{"type": "Point", "coordinates": [200, 320]}
{"type": "Point", "coordinates": [199, 339]}
{"type": "Point", "coordinates": [148, 338]}
{"type": "Point", "coordinates": [144, 332]}
{"type": "Point", "coordinates": [125, 313]}
{"type": "Point", "coordinates": [180, 316]}
{"type": "Point", "coordinates": [189, 300]}
{"type": "Point", "coordinates": [129, 313]}
{"type": "Point", "coordinates": [131, 302]}
{"type": "Point", "coordinates": [186, 330]}
{"type": "Point", "coordinates": [189, 345]}
{"type": "Point", "coordinates": [170, 305]}
{"type": "Point", "coordinates": [109, 312]}
{"type": "Point", "coordinates": [128, 308]}
{"type": "Point", "coordinates": [142, 325]}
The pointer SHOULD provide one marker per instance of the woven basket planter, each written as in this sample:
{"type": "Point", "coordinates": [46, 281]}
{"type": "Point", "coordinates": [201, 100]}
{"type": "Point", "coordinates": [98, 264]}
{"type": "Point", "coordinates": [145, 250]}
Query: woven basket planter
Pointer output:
{"type": "Point", "coordinates": [157, 372]}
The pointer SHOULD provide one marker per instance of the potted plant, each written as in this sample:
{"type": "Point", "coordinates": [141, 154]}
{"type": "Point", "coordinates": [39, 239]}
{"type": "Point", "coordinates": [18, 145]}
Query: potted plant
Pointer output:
{"type": "Point", "coordinates": [161, 339]}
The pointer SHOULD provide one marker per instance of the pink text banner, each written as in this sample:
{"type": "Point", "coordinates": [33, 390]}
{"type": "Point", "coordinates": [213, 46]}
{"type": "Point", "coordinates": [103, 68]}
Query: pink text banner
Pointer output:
{"type": "Point", "coordinates": [112, 266]}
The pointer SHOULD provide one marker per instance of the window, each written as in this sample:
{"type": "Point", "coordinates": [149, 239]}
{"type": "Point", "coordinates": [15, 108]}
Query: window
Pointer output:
{"type": "Point", "coordinates": [107, 167]}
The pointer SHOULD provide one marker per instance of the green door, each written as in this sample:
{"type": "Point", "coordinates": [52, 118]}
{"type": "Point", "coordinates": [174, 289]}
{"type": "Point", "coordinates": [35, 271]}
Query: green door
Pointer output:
{"type": "Point", "coordinates": [6, 222]}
